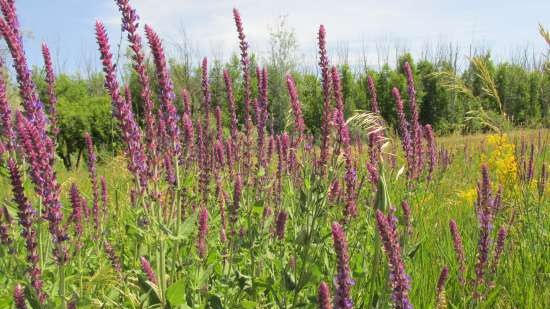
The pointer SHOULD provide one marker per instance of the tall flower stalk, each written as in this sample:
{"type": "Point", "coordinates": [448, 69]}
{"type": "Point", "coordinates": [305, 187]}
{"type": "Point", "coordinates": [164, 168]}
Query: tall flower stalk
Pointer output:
{"type": "Point", "coordinates": [27, 217]}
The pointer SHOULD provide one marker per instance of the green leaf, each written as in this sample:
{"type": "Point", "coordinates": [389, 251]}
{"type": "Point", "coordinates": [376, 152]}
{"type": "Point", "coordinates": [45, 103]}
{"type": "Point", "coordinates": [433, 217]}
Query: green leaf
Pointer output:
{"type": "Point", "coordinates": [175, 294]}
{"type": "Point", "coordinates": [248, 304]}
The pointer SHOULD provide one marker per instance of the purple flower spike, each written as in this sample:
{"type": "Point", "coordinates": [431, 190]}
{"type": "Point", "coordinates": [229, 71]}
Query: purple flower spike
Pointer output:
{"type": "Point", "coordinates": [432, 151]}
{"type": "Point", "coordinates": [50, 80]}
{"type": "Point", "coordinates": [77, 204]}
{"type": "Point", "coordinates": [323, 296]}
{"type": "Point", "coordinates": [130, 24]}
{"type": "Point", "coordinates": [203, 231]}
{"type": "Point", "coordinates": [441, 300]}
{"type": "Point", "coordinates": [9, 29]}
{"type": "Point", "coordinates": [459, 250]}
{"type": "Point", "coordinates": [325, 80]}
{"type": "Point", "coordinates": [343, 281]}
{"type": "Point", "coordinates": [299, 125]}
{"type": "Point", "coordinates": [167, 95]}
{"type": "Point", "coordinates": [398, 278]}
{"type": "Point", "coordinates": [27, 216]}
{"type": "Point", "coordinates": [19, 297]}
{"type": "Point", "coordinates": [6, 125]}
{"type": "Point", "coordinates": [281, 223]}
{"type": "Point", "coordinates": [148, 270]}
{"type": "Point", "coordinates": [131, 134]}
{"type": "Point", "coordinates": [405, 133]}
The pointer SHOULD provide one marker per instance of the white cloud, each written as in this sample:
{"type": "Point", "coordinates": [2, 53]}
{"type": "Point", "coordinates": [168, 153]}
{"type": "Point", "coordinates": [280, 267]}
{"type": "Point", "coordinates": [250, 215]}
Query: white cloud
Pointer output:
{"type": "Point", "coordinates": [209, 23]}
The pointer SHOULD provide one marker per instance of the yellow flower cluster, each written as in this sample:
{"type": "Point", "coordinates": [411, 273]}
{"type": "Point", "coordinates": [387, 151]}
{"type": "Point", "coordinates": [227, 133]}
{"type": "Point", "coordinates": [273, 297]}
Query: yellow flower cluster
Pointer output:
{"type": "Point", "coordinates": [469, 195]}
{"type": "Point", "coordinates": [501, 158]}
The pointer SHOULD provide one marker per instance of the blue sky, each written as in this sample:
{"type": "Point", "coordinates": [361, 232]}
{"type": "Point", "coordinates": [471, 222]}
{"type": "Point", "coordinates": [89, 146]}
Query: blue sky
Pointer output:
{"type": "Point", "coordinates": [503, 26]}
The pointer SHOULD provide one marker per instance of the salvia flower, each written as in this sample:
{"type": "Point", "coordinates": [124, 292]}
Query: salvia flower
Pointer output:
{"type": "Point", "coordinates": [432, 152]}
{"type": "Point", "coordinates": [50, 80]}
{"type": "Point", "coordinates": [167, 95]}
{"type": "Point", "coordinates": [323, 296]}
{"type": "Point", "coordinates": [203, 231]}
{"type": "Point", "coordinates": [499, 248]}
{"type": "Point", "coordinates": [325, 80]}
{"type": "Point", "coordinates": [77, 204]}
{"type": "Point", "coordinates": [245, 62]}
{"type": "Point", "coordinates": [299, 125]}
{"type": "Point", "coordinates": [441, 299]}
{"type": "Point", "coordinates": [19, 297]}
{"type": "Point", "coordinates": [43, 176]}
{"type": "Point", "coordinates": [9, 28]}
{"type": "Point", "coordinates": [280, 224]}
{"type": "Point", "coordinates": [206, 95]}
{"type": "Point", "coordinates": [131, 134]}
{"type": "Point", "coordinates": [110, 251]}
{"type": "Point", "coordinates": [343, 281]}
{"type": "Point", "coordinates": [399, 280]}
{"type": "Point", "coordinates": [459, 250]}
{"type": "Point", "coordinates": [415, 125]}
{"type": "Point", "coordinates": [405, 133]}
{"type": "Point", "coordinates": [542, 180]}
{"type": "Point", "coordinates": [130, 24]}
{"type": "Point", "coordinates": [6, 125]}
{"type": "Point", "coordinates": [148, 270]}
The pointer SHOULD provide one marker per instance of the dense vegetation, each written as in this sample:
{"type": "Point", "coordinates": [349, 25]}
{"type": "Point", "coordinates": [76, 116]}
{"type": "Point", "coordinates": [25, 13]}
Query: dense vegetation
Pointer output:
{"type": "Point", "coordinates": [262, 187]}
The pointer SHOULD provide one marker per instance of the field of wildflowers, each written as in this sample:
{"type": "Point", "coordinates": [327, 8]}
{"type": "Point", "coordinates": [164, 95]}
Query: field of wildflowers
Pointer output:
{"type": "Point", "coordinates": [198, 213]}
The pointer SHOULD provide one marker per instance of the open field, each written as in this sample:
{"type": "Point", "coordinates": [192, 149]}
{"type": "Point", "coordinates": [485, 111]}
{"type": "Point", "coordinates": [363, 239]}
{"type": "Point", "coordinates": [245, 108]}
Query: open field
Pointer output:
{"type": "Point", "coordinates": [137, 199]}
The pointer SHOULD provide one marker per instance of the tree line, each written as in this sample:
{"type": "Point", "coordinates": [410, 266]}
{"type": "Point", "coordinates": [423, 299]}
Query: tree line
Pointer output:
{"type": "Point", "coordinates": [505, 94]}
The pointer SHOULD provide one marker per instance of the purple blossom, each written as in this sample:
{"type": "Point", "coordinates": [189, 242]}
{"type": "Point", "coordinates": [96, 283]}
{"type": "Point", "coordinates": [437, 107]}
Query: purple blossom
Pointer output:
{"type": "Point", "coordinates": [325, 80]}
{"type": "Point", "coordinates": [343, 281]}
{"type": "Point", "coordinates": [345, 139]}
{"type": "Point", "coordinates": [416, 127]}
{"type": "Point", "coordinates": [130, 24]}
{"type": "Point", "coordinates": [432, 152]}
{"type": "Point", "coordinates": [167, 95]}
{"type": "Point", "coordinates": [399, 280]}
{"type": "Point", "coordinates": [77, 204]}
{"type": "Point", "coordinates": [131, 133]}
{"type": "Point", "coordinates": [280, 224]}
{"type": "Point", "coordinates": [148, 270]}
{"type": "Point", "coordinates": [373, 96]}
{"type": "Point", "coordinates": [6, 125]}
{"type": "Point", "coordinates": [440, 290]}
{"type": "Point", "coordinates": [36, 152]}
{"type": "Point", "coordinates": [50, 80]}
{"type": "Point", "coordinates": [203, 231]}
{"type": "Point", "coordinates": [334, 190]}
{"type": "Point", "coordinates": [9, 29]}
{"type": "Point", "coordinates": [206, 96]}
{"type": "Point", "coordinates": [499, 248]}
{"type": "Point", "coordinates": [405, 134]}
{"type": "Point", "coordinates": [19, 297]}
{"type": "Point", "coordinates": [299, 125]}
{"type": "Point", "coordinates": [186, 101]}
{"type": "Point", "coordinates": [323, 296]}
{"type": "Point", "coordinates": [459, 250]}
{"type": "Point", "coordinates": [110, 251]}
